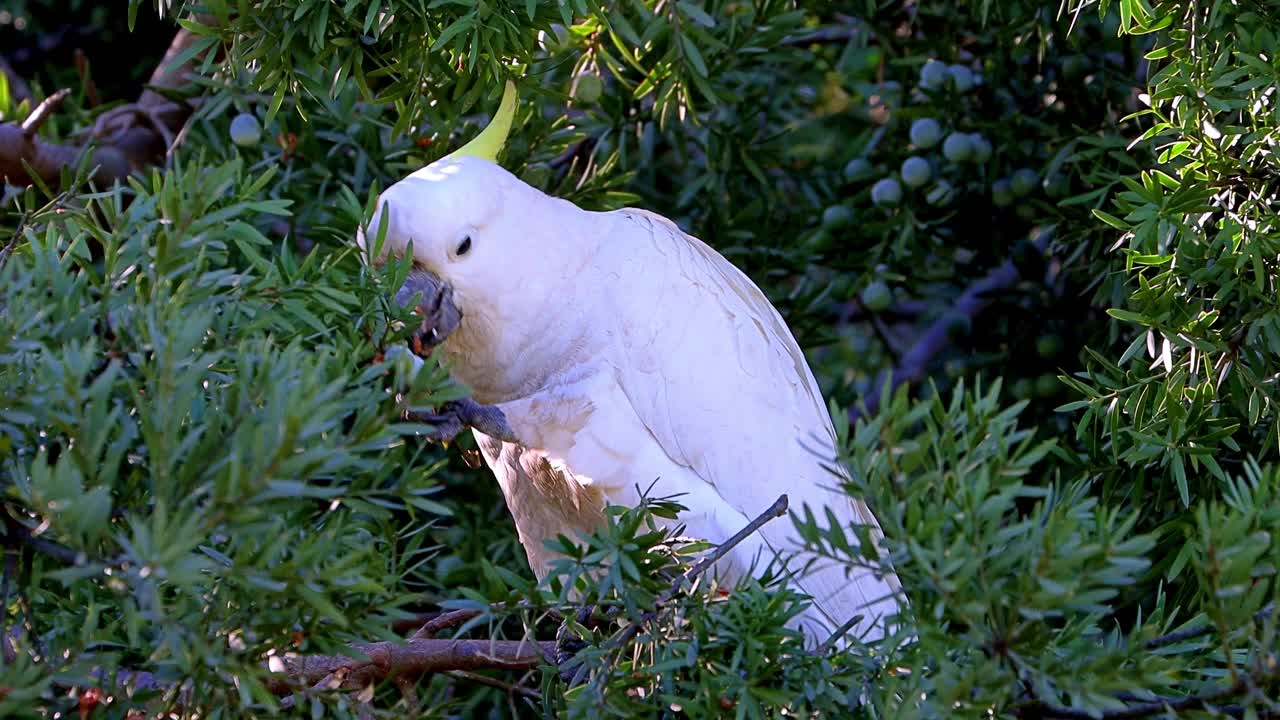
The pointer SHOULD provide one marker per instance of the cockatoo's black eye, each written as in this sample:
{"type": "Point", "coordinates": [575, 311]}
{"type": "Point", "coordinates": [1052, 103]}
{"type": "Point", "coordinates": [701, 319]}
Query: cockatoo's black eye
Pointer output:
{"type": "Point", "coordinates": [464, 246]}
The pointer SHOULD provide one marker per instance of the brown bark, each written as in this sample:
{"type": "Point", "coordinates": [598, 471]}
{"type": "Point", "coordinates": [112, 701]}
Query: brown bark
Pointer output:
{"type": "Point", "coordinates": [414, 656]}
{"type": "Point", "coordinates": [123, 140]}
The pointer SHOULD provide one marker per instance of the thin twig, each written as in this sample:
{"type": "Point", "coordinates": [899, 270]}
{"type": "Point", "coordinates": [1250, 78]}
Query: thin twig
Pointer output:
{"type": "Point", "coordinates": [776, 510]}
{"type": "Point", "coordinates": [1192, 633]}
{"type": "Point", "coordinates": [840, 632]}
{"type": "Point", "coordinates": [443, 621]}
{"type": "Point", "coordinates": [10, 565]}
{"type": "Point", "coordinates": [824, 36]}
{"type": "Point", "coordinates": [43, 112]}
{"type": "Point", "coordinates": [86, 79]}
{"type": "Point", "coordinates": [495, 682]}
{"type": "Point", "coordinates": [1145, 709]}
{"type": "Point", "coordinates": [17, 531]}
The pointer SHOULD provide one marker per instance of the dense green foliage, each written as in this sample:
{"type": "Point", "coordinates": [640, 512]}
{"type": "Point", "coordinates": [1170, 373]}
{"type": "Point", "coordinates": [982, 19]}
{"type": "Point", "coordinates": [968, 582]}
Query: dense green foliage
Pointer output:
{"type": "Point", "coordinates": [202, 444]}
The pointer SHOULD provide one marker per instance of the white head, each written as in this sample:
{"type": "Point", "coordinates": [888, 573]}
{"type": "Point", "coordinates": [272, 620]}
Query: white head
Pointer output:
{"type": "Point", "coordinates": [497, 253]}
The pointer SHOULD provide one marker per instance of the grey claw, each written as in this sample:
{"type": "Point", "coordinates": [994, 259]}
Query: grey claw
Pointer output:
{"type": "Point", "coordinates": [453, 417]}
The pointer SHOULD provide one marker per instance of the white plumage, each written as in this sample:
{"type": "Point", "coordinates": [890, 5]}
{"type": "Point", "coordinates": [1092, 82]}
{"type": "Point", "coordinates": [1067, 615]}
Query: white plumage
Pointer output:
{"type": "Point", "coordinates": [626, 353]}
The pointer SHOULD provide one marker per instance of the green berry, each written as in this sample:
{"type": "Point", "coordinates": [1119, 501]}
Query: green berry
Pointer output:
{"type": "Point", "coordinates": [925, 133]}
{"type": "Point", "coordinates": [1002, 192]}
{"type": "Point", "coordinates": [1056, 185]}
{"type": "Point", "coordinates": [1048, 345]}
{"type": "Point", "coordinates": [877, 296]}
{"type": "Point", "coordinates": [1047, 385]}
{"type": "Point", "coordinates": [836, 216]}
{"type": "Point", "coordinates": [934, 75]}
{"type": "Point", "coordinates": [886, 193]}
{"type": "Point", "coordinates": [958, 147]}
{"type": "Point", "coordinates": [1024, 181]}
{"type": "Point", "coordinates": [818, 239]}
{"type": "Point", "coordinates": [857, 169]}
{"type": "Point", "coordinates": [1022, 389]}
{"type": "Point", "coordinates": [589, 89]}
{"type": "Point", "coordinates": [962, 77]}
{"type": "Point", "coordinates": [981, 148]}
{"type": "Point", "coordinates": [246, 131]}
{"type": "Point", "coordinates": [916, 171]}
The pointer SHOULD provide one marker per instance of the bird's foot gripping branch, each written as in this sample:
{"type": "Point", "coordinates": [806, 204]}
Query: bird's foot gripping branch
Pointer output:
{"type": "Point", "coordinates": [458, 415]}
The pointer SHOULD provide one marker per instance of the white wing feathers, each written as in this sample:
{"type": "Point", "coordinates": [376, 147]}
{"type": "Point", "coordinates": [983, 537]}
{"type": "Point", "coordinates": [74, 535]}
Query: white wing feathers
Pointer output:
{"type": "Point", "coordinates": [720, 382]}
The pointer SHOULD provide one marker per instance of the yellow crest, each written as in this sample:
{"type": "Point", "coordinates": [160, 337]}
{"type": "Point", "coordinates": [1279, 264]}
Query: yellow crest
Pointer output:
{"type": "Point", "coordinates": [490, 140]}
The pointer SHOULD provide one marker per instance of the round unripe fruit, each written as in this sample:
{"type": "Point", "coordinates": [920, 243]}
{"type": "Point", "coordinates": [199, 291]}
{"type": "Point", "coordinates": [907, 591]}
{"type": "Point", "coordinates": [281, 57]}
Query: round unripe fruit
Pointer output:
{"type": "Point", "coordinates": [1047, 385]}
{"type": "Point", "coordinates": [1024, 181]}
{"type": "Point", "coordinates": [1056, 185]}
{"type": "Point", "coordinates": [981, 148]}
{"type": "Point", "coordinates": [962, 77]}
{"type": "Point", "coordinates": [934, 75]}
{"type": "Point", "coordinates": [1022, 389]}
{"type": "Point", "coordinates": [857, 169]}
{"type": "Point", "coordinates": [246, 131]}
{"type": "Point", "coordinates": [886, 193]}
{"type": "Point", "coordinates": [916, 171]}
{"type": "Point", "coordinates": [877, 296]}
{"type": "Point", "coordinates": [925, 133]}
{"type": "Point", "coordinates": [941, 194]}
{"type": "Point", "coordinates": [836, 216]}
{"type": "Point", "coordinates": [1048, 345]}
{"type": "Point", "coordinates": [589, 89]}
{"type": "Point", "coordinates": [819, 239]}
{"type": "Point", "coordinates": [1002, 193]}
{"type": "Point", "coordinates": [958, 147]}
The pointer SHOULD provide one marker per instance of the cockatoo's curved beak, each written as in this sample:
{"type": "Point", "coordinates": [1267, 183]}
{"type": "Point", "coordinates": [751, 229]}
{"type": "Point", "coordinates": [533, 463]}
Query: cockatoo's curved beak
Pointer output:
{"type": "Point", "coordinates": [440, 316]}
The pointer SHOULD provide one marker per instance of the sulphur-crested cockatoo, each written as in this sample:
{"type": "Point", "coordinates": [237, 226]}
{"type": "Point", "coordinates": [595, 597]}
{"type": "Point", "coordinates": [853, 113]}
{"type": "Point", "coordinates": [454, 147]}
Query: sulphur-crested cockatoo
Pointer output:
{"type": "Point", "coordinates": [610, 352]}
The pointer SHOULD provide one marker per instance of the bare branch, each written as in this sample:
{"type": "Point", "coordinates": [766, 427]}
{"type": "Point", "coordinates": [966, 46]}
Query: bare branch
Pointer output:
{"type": "Point", "coordinates": [976, 298]}
{"type": "Point", "coordinates": [385, 659]}
{"type": "Point", "coordinates": [1192, 633]}
{"type": "Point", "coordinates": [443, 621]}
{"type": "Point", "coordinates": [128, 137]}
{"type": "Point", "coordinates": [43, 111]}
{"type": "Point", "coordinates": [496, 683]}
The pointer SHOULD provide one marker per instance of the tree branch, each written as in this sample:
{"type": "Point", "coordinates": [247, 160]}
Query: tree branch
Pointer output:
{"type": "Point", "coordinates": [443, 621]}
{"type": "Point", "coordinates": [1192, 633]}
{"type": "Point", "coordinates": [496, 683]}
{"type": "Point", "coordinates": [129, 137]}
{"type": "Point", "coordinates": [385, 659]}
{"type": "Point", "coordinates": [977, 297]}
{"type": "Point", "coordinates": [1145, 709]}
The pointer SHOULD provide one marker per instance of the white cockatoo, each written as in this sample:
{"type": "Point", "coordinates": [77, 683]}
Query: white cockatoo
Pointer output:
{"type": "Point", "coordinates": [609, 352]}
